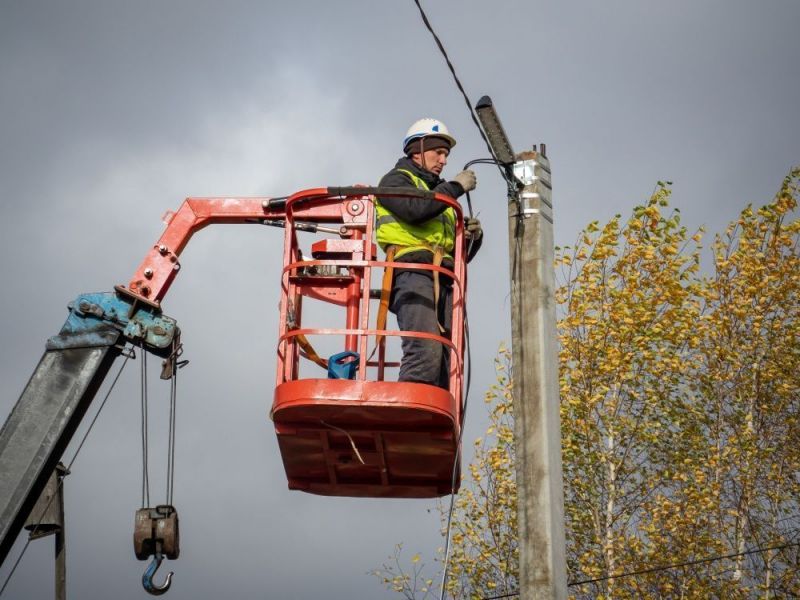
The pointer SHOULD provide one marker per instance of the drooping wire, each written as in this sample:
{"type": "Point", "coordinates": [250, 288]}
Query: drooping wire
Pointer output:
{"type": "Point", "coordinates": [128, 356]}
{"type": "Point", "coordinates": [468, 378]}
{"type": "Point", "coordinates": [349, 438]}
{"type": "Point", "coordinates": [461, 89]}
{"type": "Point", "coordinates": [467, 385]}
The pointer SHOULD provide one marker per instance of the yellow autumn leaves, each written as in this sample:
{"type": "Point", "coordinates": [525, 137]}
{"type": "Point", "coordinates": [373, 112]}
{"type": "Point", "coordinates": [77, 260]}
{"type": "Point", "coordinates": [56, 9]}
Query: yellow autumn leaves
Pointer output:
{"type": "Point", "coordinates": [680, 414]}
{"type": "Point", "coordinates": [680, 404]}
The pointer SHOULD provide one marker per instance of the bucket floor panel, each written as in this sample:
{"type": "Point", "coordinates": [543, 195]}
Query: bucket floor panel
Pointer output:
{"type": "Point", "coordinates": [368, 439]}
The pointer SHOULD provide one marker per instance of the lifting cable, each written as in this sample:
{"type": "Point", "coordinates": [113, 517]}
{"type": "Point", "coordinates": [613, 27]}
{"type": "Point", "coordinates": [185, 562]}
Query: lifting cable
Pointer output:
{"type": "Point", "coordinates": [173, 396]}
{"type": "Point", "coordinates": [128, 354]}
{"type": "Point", "coordinates": [170, 367]}
{"type": "Point", "coordinates": [145, 441]}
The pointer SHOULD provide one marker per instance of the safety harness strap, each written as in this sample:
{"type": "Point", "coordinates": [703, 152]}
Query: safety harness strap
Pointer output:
{"type": "Point", "coordinates": [310, 353]}
{"type": "Point", "coordinates": [383, 305]}
{"type": "Point", "coordinates": [386, 292]}
{"type": "Point", "coordinates": [438, 255]}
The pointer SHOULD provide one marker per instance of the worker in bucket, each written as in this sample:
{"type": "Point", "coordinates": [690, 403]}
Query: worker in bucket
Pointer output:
{"type": "Point", "coordinates": [420, 230]}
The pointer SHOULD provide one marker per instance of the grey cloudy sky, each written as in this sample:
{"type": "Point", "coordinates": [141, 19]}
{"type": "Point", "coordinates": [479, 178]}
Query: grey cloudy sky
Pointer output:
{"type": "Point", "coordinates": [112, 112]}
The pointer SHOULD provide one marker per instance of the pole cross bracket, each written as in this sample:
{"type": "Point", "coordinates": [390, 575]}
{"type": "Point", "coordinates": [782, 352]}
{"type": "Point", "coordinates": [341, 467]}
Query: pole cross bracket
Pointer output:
{"type": "Point", "coordinates": [532, 170]}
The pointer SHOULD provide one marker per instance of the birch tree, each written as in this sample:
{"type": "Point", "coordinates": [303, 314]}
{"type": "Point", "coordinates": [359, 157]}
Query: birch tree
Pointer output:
{"type": "Point", "coordinates": [680, 414]}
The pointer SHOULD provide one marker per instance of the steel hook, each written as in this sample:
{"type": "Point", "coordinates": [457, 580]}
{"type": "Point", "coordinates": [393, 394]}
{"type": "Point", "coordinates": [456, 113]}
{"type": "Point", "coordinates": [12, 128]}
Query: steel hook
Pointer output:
{"type": "Point", "coordinates": [147, 578]}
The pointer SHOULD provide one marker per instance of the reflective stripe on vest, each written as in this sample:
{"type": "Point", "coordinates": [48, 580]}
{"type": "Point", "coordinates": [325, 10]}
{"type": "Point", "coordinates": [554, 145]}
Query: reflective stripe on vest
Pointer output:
{"type": "Point", "coordinates": [439, 231]}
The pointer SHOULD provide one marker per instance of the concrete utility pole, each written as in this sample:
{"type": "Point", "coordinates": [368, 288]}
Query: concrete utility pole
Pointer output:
{"type": "Point", "coordinates": [537, 427]}
{"type": "Point", "coordinates": [540, 493]}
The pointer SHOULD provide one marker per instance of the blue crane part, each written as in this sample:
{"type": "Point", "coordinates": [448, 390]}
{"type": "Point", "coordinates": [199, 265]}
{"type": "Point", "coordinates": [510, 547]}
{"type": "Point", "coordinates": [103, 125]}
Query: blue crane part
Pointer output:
{"type": "Point", "coordinates": [59, 392]}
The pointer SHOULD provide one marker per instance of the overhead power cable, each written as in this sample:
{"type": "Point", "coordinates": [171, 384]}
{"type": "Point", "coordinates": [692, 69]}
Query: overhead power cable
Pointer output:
{"type": "Point", "coordinates": [688, 563]}
{"type": "Point", "coordinates": [494, 160]}
{"type": "Point", "coordinates": [461, 89]}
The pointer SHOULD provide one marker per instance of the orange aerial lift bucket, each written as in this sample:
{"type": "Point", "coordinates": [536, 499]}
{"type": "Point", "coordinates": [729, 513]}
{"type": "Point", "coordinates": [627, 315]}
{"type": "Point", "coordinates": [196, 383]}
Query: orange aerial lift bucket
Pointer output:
{"type": "Point", "coordinates": [348, 431]}
{"type": "Point", "coordinates": [345, 431]}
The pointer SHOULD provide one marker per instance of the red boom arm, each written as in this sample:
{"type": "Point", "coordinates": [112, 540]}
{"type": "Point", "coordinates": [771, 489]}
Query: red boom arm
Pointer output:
{"type": "Point", "coordinates": [161, 265]}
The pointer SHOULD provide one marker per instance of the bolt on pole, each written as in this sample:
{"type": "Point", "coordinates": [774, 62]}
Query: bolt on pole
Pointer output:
{"type": "Point", "coordinates": [537, 429]}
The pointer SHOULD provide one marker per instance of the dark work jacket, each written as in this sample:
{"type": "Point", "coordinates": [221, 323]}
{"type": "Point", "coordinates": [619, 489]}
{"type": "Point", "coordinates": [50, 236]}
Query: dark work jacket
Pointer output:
{"type": "Point", "coordinates": [418, 210]}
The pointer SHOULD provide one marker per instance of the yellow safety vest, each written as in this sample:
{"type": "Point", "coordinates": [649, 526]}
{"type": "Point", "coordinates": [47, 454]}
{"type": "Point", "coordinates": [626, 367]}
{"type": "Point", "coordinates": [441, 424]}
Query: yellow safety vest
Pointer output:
{"type": "Point", "coordinates": [438, 232]}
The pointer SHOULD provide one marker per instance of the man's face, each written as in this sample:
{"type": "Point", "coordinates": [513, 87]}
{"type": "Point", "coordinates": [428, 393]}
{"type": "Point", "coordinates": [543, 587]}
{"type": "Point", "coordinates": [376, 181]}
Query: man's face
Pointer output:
{"type": "Point", "coordinates": [432, 160]}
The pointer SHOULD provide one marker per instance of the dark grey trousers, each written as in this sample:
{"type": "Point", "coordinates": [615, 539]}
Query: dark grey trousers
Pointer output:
{"type": "Point", "coordinates": [424, 361]}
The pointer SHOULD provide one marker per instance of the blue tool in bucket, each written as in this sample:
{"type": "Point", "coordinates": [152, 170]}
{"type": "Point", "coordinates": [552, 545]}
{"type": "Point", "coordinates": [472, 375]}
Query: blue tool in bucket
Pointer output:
{"type": "Point", "coordinates": [343, 365]}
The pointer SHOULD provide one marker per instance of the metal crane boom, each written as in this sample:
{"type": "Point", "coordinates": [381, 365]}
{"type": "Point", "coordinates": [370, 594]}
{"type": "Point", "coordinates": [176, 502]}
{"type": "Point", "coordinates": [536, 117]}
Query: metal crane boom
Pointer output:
{"type": "Point", "coordinates": [77, 360]}
{"type": "Point", "coordinates": [48, 412]}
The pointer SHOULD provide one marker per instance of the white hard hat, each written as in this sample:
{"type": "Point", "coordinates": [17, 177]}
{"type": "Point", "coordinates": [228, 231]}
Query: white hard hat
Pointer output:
{"type": "Point", "coordinates": [425, 128]}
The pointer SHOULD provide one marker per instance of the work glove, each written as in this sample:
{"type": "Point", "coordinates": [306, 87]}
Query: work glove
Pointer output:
{"type": "Point", "coordinates": [466, 179]}
{"type": "Point", "coordinates": [473, 228]}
